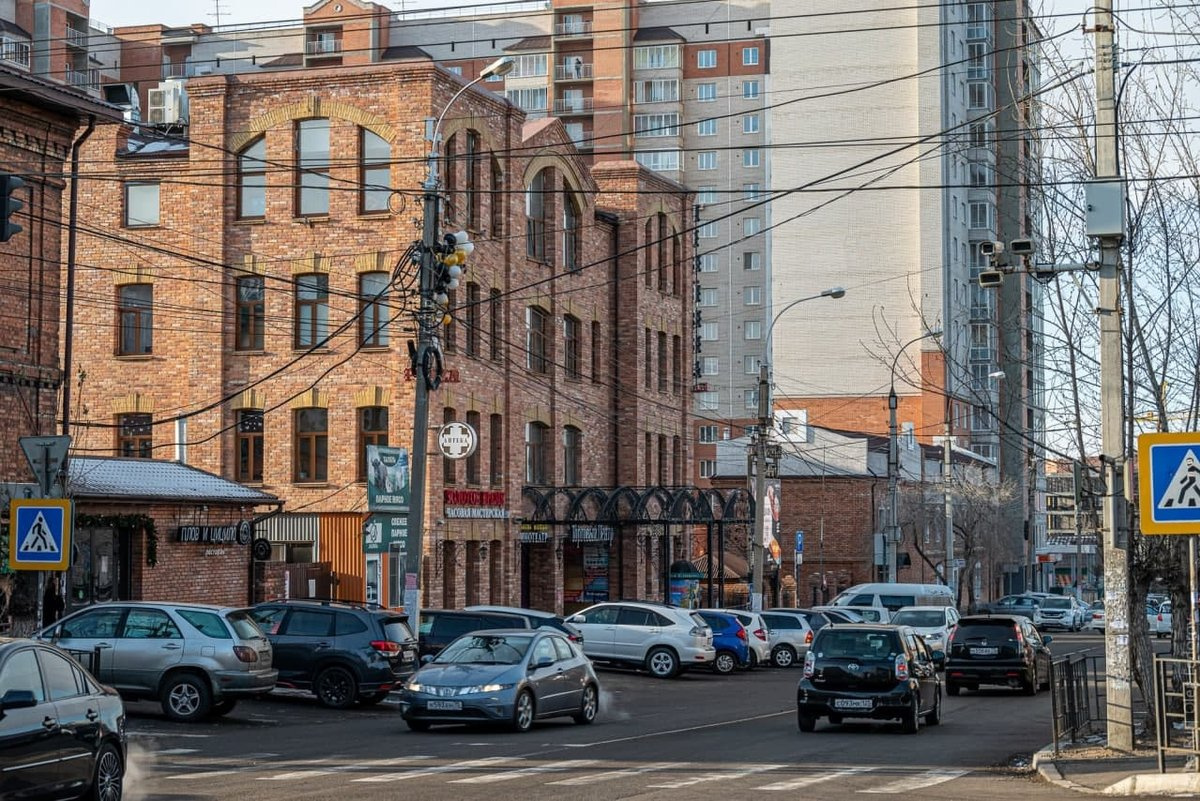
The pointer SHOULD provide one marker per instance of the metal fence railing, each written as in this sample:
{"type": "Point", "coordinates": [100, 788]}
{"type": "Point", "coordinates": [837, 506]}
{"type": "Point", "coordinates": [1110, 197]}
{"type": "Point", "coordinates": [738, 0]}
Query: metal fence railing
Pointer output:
{"type": "Point", "coordinates": [1175, 718]}
{"type": "Point", "coordinates": [90, 660]}
{"type": "Point", "coordinates": [1076, 696]}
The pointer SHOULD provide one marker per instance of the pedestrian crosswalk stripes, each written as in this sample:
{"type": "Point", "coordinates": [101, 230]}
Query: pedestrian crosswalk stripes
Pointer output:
{"type": "Point", "coordinates": [807, 781]}
{"type": "Point", "coordinates": [622, 773]}
{"type": "Point", "coordinates": [552, 767]}
{"type": "Point", "coordinates": [471, 764]}
{"type": "Point", "coordinates": [716, 776]}
{"type": "Point", "coordinates": [907, 785]}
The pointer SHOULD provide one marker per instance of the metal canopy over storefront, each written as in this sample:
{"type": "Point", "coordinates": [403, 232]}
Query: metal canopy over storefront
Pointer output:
{"type": "Point", "coordinates": [657, 506]}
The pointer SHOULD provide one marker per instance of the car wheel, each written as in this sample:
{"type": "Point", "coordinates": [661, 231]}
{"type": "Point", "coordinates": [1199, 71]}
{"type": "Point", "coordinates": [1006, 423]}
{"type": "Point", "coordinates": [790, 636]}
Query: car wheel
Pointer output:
{"type": "Point", "coordinates": [806, 723]}
{"type": "Point", "coordinates": [935, 717]}
{"type": "Point", "coordinates": [725, 663]}
{"type": "Point", "coordinates": [336, 687]}
{"type": "Point", "coordinates": [224, 707]}
{"type": "Point", "coordinates": [662, 663]}
{"type": "Point", "coordinates": [108, 777]}
{"type": "Point", "coordinates": [836, 720]}
{"type": "Point", "coordinates": [912, 717]}
{"type": "Point", "coordinates": [523, 712]}
{"type": "Point", "coordinates": [753, 660]}
{"type": "Point", "coordinates": [784, 656]}
{"type": "Point", "coordinates": [588, 707]}
{"type": "Point", "coordinates": [373, 698]}
{"type": "Point", "coordinates": [951, 688]}
{"type": "Point", "coordinates": [417, 725]}
{"type": "Point", "coordinates": [185, 698]}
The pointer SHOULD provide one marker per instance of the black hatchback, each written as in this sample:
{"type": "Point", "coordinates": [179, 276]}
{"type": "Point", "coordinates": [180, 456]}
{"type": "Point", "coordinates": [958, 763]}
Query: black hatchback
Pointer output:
{"type": "Point", "coordinates": [62, 735]}
{"type": "Point", "coordinates": [1004, 650]}
{"type": "Point", "coordinates": [341, 651]}
{"type": "Point", "coordinates": [869, 671]}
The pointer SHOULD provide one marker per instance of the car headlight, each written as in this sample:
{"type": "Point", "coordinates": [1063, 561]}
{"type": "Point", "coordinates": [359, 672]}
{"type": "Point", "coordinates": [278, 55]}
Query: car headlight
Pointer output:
{"type": "Point", "coordinates": [483, 688]}
{"type": "Point", "coordinates": [413, 686]}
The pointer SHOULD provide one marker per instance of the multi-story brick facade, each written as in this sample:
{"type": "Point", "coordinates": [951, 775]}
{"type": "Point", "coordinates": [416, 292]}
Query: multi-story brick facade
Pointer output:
{"type": "Point", "coordinates": [250, 303]}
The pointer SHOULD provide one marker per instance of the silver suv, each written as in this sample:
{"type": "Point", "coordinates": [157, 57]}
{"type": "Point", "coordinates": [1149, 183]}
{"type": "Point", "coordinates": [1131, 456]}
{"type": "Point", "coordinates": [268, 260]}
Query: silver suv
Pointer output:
{"type": "Point", "coordinates": [791, 636]}
{"type": "Point", "coordinates": [195, 659]}
{"type": "Point", "coordinates": [661, 638]}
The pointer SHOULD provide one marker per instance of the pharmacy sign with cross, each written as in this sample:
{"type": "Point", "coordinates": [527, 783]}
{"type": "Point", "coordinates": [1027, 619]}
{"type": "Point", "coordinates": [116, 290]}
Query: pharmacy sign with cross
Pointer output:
{"type": "Point", "coordinates": [1169, 482]}
{"type": "Point", "coordinates": [39, 535]}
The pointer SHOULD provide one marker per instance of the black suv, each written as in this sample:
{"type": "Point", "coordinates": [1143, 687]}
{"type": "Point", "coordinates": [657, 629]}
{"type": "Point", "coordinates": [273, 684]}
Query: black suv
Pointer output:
{"type": "Point", "coordinates": [341, 651]}
{"type": "Point", "coordinates": [869, 671]}
{"type": "Point", "coordinates": [998, 649]}
{"type": "Point", "coordinates": [440, 627]}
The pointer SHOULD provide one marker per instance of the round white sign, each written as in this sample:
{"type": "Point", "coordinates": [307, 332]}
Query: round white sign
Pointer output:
{"type": "Point", "coordinates": [457, 440]}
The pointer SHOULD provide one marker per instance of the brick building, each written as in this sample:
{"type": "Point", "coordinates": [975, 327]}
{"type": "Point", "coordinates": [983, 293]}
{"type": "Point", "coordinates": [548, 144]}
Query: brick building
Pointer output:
{"type": "Point", "coordinates": [249, 304]}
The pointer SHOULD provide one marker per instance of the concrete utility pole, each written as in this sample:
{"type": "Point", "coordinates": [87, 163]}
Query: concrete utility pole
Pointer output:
{"type": "Point", "coordinates": [1116, 565]}
{"type": "Point", "coordinates": [758, 551]}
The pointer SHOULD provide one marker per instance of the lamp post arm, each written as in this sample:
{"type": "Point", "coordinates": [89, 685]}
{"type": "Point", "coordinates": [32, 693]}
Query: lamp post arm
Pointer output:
{"type": "Point", "coordinates": [435, 142]}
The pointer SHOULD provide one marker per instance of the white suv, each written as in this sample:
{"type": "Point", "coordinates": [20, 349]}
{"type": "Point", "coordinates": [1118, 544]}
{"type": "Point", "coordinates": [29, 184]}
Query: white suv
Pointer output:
{"type": "Point", "coordinates": [661, 638]}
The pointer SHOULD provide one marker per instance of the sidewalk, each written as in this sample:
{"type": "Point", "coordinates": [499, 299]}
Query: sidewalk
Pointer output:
{"type": "Point", "coordinates": [1097, 770]}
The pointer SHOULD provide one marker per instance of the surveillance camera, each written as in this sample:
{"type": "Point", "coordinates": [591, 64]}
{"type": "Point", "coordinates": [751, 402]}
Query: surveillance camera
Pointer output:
{"type": "Point", "coordinates": [1021, 247]}
{"type": "Point", "coordinates": [991, 248]}
{"type": "Point", "coordinates": [989, 279]}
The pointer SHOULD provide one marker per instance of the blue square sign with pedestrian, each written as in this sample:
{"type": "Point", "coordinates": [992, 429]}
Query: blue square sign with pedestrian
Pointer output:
{"type": "Point", "coordinates": [39, 536]}
{"type": "Point", "coordinates": [1169, 482]}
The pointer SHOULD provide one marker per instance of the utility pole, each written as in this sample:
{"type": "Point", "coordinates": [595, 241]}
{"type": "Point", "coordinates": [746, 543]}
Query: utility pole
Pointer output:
{"type": "Point", "coordinates": [1116, 565]}
{"type": "Point", "coordinates": [890, 538]}
{"type": "Point", "coordinates": [758, 560]}
{"type": "Point", "coordinates": [951, 570]}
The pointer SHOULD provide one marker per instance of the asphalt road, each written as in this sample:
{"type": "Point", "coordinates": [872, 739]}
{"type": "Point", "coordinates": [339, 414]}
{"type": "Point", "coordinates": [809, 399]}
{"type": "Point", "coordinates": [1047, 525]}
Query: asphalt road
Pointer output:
{"type": "Point", "coordinates": [683, 739]}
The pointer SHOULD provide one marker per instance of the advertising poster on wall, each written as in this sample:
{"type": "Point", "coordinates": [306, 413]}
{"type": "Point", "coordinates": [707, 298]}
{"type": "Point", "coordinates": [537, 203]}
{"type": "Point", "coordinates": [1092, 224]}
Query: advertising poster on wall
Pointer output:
{"type": "Point", "coordinates": [595, 573]}
{"type": "Point", "coordinates": [771, 521]}
{"type": "Point", "coordinates": [387, 479]}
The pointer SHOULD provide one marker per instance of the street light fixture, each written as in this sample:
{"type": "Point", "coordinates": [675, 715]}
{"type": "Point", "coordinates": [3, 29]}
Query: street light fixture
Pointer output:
{"type": "Point", "coordinates": [892, 537]}
{"type": "Point", "coordinates": [758, 562]}
{"type": "Point", "coordinates": [428, 348]}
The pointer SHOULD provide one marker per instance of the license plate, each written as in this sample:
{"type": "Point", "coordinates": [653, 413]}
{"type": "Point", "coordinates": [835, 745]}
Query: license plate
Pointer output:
{"type": "Point", "coordinates": [985, 651]}
{"type": "Point", "coordinates": [852, 703]}
{"type": "Point", "coordinates": [410, 653]}
{"type": "Point", "coordinates": [444, 706]}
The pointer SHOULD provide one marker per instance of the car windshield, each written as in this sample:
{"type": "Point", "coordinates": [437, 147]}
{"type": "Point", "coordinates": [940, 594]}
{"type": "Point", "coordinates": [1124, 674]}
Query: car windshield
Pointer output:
{"type": "Point", "coordinates": [1057, 603]}
{"type": "Point", "coordinates": [485, 649]}
{"type": "Point", "coordinates": [857, 644]}
{"type": "Point", "coordinates": [921, 618]}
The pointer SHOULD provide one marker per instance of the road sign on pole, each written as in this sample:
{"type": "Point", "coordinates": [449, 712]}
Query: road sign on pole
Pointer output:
{"type": "Point", "coordinates": [799, 542]}
{"type": "Point", "coordinates": [39, 535]}
{"type": "Point", "coordinates": [46, 456]}
{"type": "Point", "coordinates": [1169, 482]}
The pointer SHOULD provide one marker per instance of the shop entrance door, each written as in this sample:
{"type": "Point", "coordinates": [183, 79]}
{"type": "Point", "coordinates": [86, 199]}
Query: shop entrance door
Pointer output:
{"type": "Point", "coordinates": [99, 568]}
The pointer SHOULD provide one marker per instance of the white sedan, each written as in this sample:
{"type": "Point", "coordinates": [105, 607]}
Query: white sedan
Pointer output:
{"type": "Point", "coordinates": [934, 623]}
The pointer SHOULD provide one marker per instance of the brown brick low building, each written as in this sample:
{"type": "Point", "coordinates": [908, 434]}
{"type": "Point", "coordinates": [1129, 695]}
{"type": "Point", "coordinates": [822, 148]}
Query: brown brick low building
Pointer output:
{"type": "Point", "coordinates": [249, 295]}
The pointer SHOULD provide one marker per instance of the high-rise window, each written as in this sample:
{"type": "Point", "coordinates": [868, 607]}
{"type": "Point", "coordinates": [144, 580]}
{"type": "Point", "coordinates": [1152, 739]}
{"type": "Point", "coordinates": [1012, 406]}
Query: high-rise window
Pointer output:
{"type": "Point", "coordinates": [751, 157]}
{"type": "Point", "coordinates": [750, 90]}
{"type": "Point", "coordinates": [375, 173]}
{"type": "Point", "coordinates": [751, 260]}
{"type": "Point", "coordinates": [249, 445]}
{"type": "Point", "coordinates": [372, 430]}
{"type": "Point", "coordinates": [311, 445]}
{"type": "Point", "coordinates": [749, 56]}
{"type": "Point", "coordinates": [648, 126]}
{"type": "Point", "coordinates": [572, 456]}
{"type": "Point", "coordinates": [312, 168]}
{"type": "Point", "coordinates": [135, 310]}
{"type": "Point", "coordinates": [752, 296]}
{"type": "Point", "coordinates": [656, 57]}
{"type": "Point", "coordinates": [374, 314]}
{"type": "Point", "coordinates": [706, 195]}
{"type": "Point", "coordinates": [706, 59]}
{"type": "Point", "coordinates": [252, 180]}
{"type": "Point", "coordinates": [706, 127]}
{"type": "Point", "coordinates": [750, 124]}
{"type": "Point", "coordinates": [709, 262]}
{"type": "Point", "coordinates": [656, 91]}
{"type": "Point", "coordinates": [251, 313]}
{"type": "Point", "coordinates": [134, 439]}
{"type": "Point", "coordinates": [663, 372]}
{"type": "Point", "coordinates": [706, 92]}
{"type": "Point", "coordinates": [751, 225]}
{"type": "Point", "coordinates": [648, 359]}
{"type": "Point", "coordinates": [709, 296]}
{"type": "Point", "coordinates": [312, 310]}
{"type": "Point", "coordinates": [753, 329]}
{"type": "Point", "coordinates": [706, 160]}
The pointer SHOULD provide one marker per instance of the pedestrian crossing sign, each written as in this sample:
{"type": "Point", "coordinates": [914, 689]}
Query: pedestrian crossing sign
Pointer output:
{"type": "Point", "coordinates": [39, 534]}
{"type": "Point", "coordinates": [1169, 482]}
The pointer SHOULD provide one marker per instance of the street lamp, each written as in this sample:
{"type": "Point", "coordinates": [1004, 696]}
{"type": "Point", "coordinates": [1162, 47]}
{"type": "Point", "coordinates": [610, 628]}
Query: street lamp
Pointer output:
{"type": "Point", "coordinates": [892, 538]}
{"type": "Point", "coordinates": [758, 562]}
{"type": "Point", "coordinates": [428, 349]}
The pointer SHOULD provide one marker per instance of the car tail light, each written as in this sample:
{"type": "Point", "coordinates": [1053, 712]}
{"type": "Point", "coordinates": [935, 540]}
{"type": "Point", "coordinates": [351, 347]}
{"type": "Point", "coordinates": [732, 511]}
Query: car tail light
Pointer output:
{"type": "Point", "coordinates": [810, 664]}
{"type": "Point", "coordinates": [245, 653]}
{"type": "Point", "coordinates": [699, 631]}
{"type": "Point", "coordinates": [575, 638]}
{"type": "Point", "coordinates": [386, 647]}
{"type": "Point", "coordinates": [741, 633]}
{"type": "Point", "coordinates": [808, 637]}
{"type": "Point", "coordinates": [1160, 617]}
{"type": "Point", "coordinates": [1020, 637]}
{"type": "Point", "coordinates": [901, 667]}
{"type": "Point", "coordinates": [761, 634]}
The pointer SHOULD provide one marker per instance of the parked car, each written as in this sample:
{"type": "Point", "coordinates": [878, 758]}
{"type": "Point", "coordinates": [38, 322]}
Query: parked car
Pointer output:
{"type": "Point", "coordinates": [729, 639]}
{"type": "Point", "coordinates": [342, 652]}
{"type": "Point", "coordinates": [934, 623]}
{"type": "Point", "coordinates": [869, 671]}
{"type": "Point", "coordinates": [1096, 623]}
{"type": "Point", "coordinates": [1004, 650]}
{"type": "Point", "coordinates": [536, 618]}
{"type": "Point", "coordinates": [663, 639]}
{"type": "Point", "coordinates": [62, 734]}
{"type": "Point", "coordinates": [842, 614]}
{"type": "Point", "coordinates": [869, 614]}
{"type": "Point", "coordinates": [440, 627]}
{"type": "Point", "coordinates": [195, 659]}
{"type": "Point", "coordinates": [790, 637]}
{"type": "Point", "coordinates": [1024, 605]}
{"type": "Point", "coordinates": [758, 637]}
{"type": "Point", "coordinates": [1161, 623]}
{"type": "Point", "coordinates": [513, 676]}
{"type": "Point", "coordinates": [1058, 611]}
{"type": "Point", "coordinates": [896, 596]}
{"type": "Point", "coordinates": [816, 618]}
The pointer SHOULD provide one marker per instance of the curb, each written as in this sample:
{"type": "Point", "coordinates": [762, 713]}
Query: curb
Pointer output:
{"type": "Point", "coordinates": [1043, 763]}
{"type": "Point", "coordinates": [1165, 784]}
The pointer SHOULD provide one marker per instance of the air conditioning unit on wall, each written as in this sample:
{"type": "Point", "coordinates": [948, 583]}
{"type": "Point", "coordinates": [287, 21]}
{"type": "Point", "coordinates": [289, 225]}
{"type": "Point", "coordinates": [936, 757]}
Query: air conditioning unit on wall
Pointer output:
{"type": "Point", "coordinates": [168, 104]}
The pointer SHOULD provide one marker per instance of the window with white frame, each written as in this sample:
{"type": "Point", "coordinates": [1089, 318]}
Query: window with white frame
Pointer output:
{"type": "Point", "coordinates": [751, 192]}
{"type": "Point", "coordinates": [658, 160]}
{"type": "Point", "coordinates": [706, 434]}
{"type": "Point", "coordinates": [706, 59]}
{"type": "Point", "coordinates": [708, 401]}
{"type": "Point", "coordinates": [749, 56]}
{"type": "Point", "coordinates": [752, 296]}
{"type": "Point", "coordinates": [710, 365]}
{"type": "Point", "coordinates": [706, 92]}
{"type": "Point", "coordinates": [981, 214]}
{"type": "Point", "coordinates": [980, 134]}
{"type": "Point", "coordinates": [750, 398]}
{"type": "Point", "coordinates": [709, 263]}
{"type": "Point", "coordinates": [529, 66]}
{"type": "Point", "coordinates": [751, 157]}
{"type": "Point", "coordinates": [751, 364]}
{"type": "Point", "coordinates": [457, 70]}
{"type": "Point", "coordinates": [708, 467]}
{"type": "Point", "coordinates": [533, 99]}
{"type": "Point", "coordinates": [751, 260]}
{"type": "Point", "coordinates": [751, 226]}
{"type": "Point", "coordinates": [750, 90]}
{"type": "Point", "coordinates": [652, 125]}
{"type": "Point", "coordinates": [709, 296]}
{"type": "Point", "coordinates": [750, 124]}
{"type": "Point", "coordinates": [657, 91]}
{"type": "Point", "coordinates": [656, 57]}
{"type": "Point", "coordinates": [709, 331]}
{"type": "Point", "coordinates": [706, 128]}
{"type": "Point", "coordinates": [706, 195]}
{"type": "Point", "coordinates": [979, 95]}
{"type": "Point", "coordinates": [706, 160]}
{"type": "Point", "coordinates": [981, 174]}
{"type": "Point", "coordinates": [707, 230]}
{"type": "Point", "coordinates": [752, 329]}
{"type": "Point", "coordinates": [977, 61]}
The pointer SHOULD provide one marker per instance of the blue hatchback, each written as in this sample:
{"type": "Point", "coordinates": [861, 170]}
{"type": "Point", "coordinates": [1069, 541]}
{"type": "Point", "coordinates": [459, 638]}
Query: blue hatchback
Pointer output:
{"type": "Point", "coordinates": [729, 639]}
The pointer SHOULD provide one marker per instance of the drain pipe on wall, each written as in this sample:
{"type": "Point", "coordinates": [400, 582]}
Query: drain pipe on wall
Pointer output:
{"type": "Point", "coordinates": [68, 336]}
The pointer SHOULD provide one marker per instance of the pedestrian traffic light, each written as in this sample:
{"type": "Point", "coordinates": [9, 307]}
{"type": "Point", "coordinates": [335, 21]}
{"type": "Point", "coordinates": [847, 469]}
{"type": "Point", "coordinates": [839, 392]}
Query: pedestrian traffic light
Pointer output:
{"type": "Point", "coordinates": [9, 206]}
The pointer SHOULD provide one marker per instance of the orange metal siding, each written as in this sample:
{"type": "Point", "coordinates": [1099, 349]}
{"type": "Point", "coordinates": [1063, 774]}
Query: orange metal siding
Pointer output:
{"type": "Point", "coordinates": [340, 536]}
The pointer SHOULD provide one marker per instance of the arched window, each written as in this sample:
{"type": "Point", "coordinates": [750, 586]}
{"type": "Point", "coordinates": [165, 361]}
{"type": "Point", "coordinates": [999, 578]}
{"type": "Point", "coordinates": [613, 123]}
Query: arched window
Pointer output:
{"type": "Point", "coordinates": [474, 159]}
{"type": "Point", "coordinates": [252, 180]}
{"type": "Point", "coordinates": [374, 313]}
{"type": "Point", "coordinates": [662, 246]}
{"type": "Point", "coordinates": [312, 167]}
{"type": "Point", "coordinates": [537, 210]}
{"type": "Point", "coordinates": [497, 199]}
{"type": "Point", "coordinates": [537, 453]}
{"type": "Point", "coordinates": [572, 235]}
{"type": "Point", "coordinates": [649, 250]}
{"type": "Point", "coordinates": [537, 339]}
{"type": "Point", "coordinates": [450, 176]}
{"type": "Point", "coordinates": [572, 456]}
{"type": "Point", "coordinates": [375, 173]}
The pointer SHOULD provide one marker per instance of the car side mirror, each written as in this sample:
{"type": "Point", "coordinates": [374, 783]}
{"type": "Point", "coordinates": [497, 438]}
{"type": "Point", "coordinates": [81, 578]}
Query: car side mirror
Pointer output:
{"type": "Point", "coordinates": [425, 660]}
{"type": "Point", "coordinates": [544, 662]}
{"type": "Point", "coordinates": [939, 659]}
{"type": "Point", "coordinates": [1047, 640]}
{"type": "Point", "coordinates": [17, 699]}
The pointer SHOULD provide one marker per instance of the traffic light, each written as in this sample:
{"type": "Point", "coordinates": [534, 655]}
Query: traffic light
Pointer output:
{"type": "Point", "coordinates": [449, 263]}
{"type": "Point", "coordinates": [9, 206]}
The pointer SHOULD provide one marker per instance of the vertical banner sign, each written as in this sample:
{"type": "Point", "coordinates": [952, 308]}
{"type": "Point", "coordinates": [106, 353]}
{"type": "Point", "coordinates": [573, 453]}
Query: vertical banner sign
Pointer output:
{"type": "Point", "coordinates": [771, 520]}
{"type": "Point", "coordinates": [387, 479]}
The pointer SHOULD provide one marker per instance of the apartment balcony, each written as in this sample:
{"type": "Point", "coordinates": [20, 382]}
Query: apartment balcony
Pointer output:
{"type": "Point", "coordinates": [76, 38]}
{"type": "Point", "coordinates": [567, 107]}
{"type": "Point", "coordinates": [318, 48]}
{"type": "Point", "coordinates": [981, 312]}
{"type": "Point", "coordinates": [578, 29]}
{"type": "Point", "coordinates": [84, 79]}
{"type": "Point", "coordinates": [573, 72]}
{"type": "Point", "coordinates": [16, 53]}
{"type": "Point", "coordinates": [178, 70]}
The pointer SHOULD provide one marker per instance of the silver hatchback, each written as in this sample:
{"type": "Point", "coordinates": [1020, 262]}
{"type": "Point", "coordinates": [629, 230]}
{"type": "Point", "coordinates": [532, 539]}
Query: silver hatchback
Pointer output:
{"type": "Point", "coordinates": [195, 659]}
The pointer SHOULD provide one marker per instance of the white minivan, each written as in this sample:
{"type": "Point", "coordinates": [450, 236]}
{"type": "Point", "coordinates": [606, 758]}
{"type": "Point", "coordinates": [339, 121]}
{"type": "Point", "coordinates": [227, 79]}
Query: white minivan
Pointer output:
{"type": "Point", "coordinates": [895, 596]}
